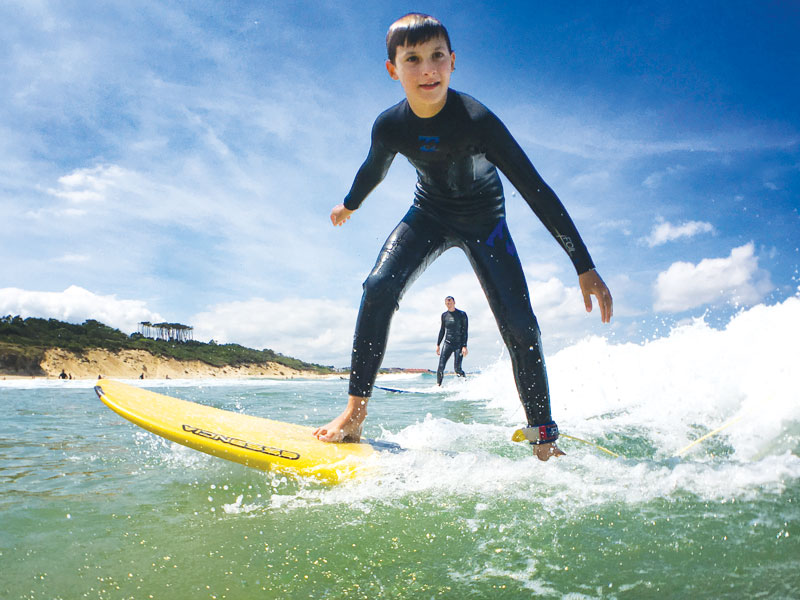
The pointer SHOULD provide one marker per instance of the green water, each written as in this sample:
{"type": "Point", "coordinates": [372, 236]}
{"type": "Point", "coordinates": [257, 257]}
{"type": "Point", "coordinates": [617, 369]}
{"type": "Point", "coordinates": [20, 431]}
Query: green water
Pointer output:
{"type": "Point", "coordinates": [92, 507]}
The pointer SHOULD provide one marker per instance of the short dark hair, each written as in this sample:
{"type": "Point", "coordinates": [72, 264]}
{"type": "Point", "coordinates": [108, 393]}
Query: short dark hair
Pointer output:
{"type": "Point", "coordinates": [413, 29]}
{"type": "Point", "coordinates": [449, 298]}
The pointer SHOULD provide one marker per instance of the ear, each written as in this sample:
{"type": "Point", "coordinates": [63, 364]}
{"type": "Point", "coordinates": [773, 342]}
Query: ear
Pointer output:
{"type": "Point", "coordinates": [452, 61]}
{"type": "Point", "coordinates": [392, 70]}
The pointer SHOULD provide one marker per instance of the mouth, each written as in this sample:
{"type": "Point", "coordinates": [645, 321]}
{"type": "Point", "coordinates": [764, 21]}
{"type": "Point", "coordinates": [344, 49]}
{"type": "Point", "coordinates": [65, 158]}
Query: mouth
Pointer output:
{"type": "Point", "coordinates": [430, 86]}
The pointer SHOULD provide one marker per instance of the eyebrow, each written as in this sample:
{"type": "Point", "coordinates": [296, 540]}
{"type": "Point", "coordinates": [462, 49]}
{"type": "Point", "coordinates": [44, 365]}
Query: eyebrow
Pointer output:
{"type": "Point", "coordinates": [413, 49]}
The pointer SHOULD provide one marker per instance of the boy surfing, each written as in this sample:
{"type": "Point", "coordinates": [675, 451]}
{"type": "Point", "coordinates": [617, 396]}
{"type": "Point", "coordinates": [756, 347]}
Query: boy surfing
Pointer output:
{"type": "Point", "coordinates": [456, 145]}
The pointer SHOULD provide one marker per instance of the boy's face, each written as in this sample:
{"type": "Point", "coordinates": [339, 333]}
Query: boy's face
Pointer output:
{"type": "Point", "coordinates": [424, 72]}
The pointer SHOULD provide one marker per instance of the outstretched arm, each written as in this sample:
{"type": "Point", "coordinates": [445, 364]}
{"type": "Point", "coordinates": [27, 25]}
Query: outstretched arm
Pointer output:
{"type": "Point", "coordinates": [592, 285]}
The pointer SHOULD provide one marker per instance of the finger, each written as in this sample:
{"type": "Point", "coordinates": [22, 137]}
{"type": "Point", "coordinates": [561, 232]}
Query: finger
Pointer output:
{"type": "Point", "coordinates": [587, 301]}
{"type": "Point", "coordinates": [608, 308]}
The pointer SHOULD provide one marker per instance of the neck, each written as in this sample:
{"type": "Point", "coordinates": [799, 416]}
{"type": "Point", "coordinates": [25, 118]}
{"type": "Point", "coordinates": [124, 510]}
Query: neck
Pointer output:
{"type": "Point", "coordinates": [426, 111]}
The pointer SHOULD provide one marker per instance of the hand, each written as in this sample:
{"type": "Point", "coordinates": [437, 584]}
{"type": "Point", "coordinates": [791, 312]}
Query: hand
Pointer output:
{"type": "Point", "coordinates": [592, 284]}
{"type": "Point", "coordinates": [544, 451]}
{"type": "Point", "coordinates": [437, 350]}
{"type": "Point", "coordinates": [464, 351]}
{"type": "Point", "coordinates": [340, 214]}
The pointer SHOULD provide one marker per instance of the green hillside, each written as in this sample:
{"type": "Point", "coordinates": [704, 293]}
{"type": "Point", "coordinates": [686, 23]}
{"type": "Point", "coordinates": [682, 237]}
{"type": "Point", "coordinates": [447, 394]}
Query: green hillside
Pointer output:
{"type": "Point", "coordinates": [23, 343]}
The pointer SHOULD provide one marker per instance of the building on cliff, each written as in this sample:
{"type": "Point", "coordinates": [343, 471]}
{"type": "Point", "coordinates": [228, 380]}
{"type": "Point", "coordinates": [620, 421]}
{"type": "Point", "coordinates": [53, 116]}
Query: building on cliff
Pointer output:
{"type": "Point", "coordinates": [170, 332]}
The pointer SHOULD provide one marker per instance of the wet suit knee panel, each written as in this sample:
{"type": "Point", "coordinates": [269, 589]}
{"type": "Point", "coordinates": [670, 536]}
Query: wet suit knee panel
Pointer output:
{"type": "Point", "coordinates": [381, 291]}
{"type": "Point", "coordinates": [520, 330]}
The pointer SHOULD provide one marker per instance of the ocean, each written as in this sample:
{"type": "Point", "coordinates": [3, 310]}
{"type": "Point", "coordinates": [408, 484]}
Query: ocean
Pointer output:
{"type": "Point", "coordinates": [93, 507]}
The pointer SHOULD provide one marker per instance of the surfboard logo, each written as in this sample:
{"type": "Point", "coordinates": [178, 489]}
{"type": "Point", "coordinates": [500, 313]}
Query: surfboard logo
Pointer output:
{"type": "Point", "coordinates": [210, 435]}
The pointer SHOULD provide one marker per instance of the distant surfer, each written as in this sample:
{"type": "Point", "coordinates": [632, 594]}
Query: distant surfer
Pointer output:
{"type": "Point", "coordinates": [456, 145]}
{"type": "Point", "coordinates": [454, 332]}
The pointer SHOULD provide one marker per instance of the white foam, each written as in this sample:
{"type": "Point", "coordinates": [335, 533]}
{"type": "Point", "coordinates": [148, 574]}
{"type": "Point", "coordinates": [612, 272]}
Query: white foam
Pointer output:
{"type": "Point", "coordinates": [672, 388]}
{"type": "Point", "coordinates": [404, 377]}
{"type": "Point", "coordinates": [237, 507]}
{"type": "Point", "coordinates": [655, 398]}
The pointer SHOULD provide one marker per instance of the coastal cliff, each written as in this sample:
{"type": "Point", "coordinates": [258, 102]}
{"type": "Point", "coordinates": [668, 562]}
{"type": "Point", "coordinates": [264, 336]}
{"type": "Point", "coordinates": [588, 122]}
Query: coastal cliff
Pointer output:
{"type": "Point", "coordinates": [35, 347]}
{"type": "Point", "coordinates": [132, 364]}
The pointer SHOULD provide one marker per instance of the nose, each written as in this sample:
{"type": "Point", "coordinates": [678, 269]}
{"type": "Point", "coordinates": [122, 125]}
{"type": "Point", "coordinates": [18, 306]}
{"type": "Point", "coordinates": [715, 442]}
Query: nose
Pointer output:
{"type": "Point", "coordinates": [429, 66]}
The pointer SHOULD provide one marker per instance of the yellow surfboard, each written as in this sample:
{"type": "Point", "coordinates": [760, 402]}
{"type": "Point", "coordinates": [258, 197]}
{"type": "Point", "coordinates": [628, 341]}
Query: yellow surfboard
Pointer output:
{"type": "Point", "coordinates": [252, 441]}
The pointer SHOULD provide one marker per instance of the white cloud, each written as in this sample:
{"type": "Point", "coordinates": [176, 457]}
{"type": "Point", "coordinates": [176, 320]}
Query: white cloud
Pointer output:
{"type": "Point", "coordinates": [554, 301]}
{"type": "Point", "coordinates": [90, 184]}
{"type": "Point", "coordinates": [736, 279]}
{"type": "Point", "coordinates": [321, 330]}
{"type": "Point", "coordinates": [654, 180]}
{"type": "Point", "coordinates": [76, 305]}
{"type": "Point", "coordinates": [664, 231]}
{"type": "Point", "coordinates": [73, 259]}
{"type": "Point", "coordinates": [315, 330]}
{"type": "Point", "coordinates": [558, 308]}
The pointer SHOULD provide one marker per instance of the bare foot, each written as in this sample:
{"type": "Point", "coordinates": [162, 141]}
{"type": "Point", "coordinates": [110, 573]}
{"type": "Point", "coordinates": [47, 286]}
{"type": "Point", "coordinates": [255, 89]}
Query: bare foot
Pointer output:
{"type": "Point", "coordinates": [347, 426]}
{"type": "Point", "coordinates": [544, 451]}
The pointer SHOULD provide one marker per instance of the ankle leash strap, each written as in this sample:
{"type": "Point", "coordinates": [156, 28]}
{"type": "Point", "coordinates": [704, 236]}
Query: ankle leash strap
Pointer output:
{"type": "Point", "coordinates": [541, 434]}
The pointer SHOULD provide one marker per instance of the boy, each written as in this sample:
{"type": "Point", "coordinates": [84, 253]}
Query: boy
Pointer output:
{"type": "Point", "coordinates": [456, 145]}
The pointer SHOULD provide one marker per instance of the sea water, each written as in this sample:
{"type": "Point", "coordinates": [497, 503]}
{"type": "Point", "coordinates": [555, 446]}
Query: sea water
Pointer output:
{"type": "Point", "coordinates": [93, 507]}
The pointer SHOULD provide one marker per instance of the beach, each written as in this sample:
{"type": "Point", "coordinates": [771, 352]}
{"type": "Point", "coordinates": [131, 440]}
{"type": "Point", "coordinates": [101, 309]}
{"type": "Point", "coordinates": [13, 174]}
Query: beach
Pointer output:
{"type": "Point", "coordinates": [140, 364]}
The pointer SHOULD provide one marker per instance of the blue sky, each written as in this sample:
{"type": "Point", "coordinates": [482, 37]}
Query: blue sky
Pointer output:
{"type": "Point", "coordinates": [178, 161]}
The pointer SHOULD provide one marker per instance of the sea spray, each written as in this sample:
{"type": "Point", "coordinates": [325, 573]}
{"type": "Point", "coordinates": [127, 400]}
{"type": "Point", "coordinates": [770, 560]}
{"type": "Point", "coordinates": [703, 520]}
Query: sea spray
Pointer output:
{"type": "Point", "coordinates": [673, 388]}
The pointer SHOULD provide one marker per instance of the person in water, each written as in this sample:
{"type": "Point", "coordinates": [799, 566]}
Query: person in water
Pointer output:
{"type": "Point", "coordinates": [456, 145]}
{"type": "Point", "coordinates": [454, 332]}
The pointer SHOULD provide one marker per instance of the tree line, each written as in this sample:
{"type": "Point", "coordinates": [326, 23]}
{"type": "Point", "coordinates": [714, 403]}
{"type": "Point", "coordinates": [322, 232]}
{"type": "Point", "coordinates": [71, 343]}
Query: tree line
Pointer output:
{"type": "Point", "coordinates": [24, 341]}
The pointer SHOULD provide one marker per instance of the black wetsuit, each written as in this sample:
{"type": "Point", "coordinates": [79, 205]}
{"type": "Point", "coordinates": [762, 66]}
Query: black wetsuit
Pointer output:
{"type": "Point", "coordinates": [458, 201]}
{"type": "Point", "coordinates": [454, 331]}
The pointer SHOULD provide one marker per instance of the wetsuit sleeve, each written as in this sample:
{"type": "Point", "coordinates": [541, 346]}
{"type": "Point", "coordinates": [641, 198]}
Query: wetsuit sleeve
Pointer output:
{"type": "Point", "coordinates": [373, 171]}
{"type": "Point", "coordinates": [508, 156]}
{"type": "Point", "coordinates": [441, 332]}
{"type": "Point", "coordinates": [466, 330]}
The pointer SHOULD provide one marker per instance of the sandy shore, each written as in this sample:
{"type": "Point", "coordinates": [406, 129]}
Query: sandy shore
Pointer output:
{"type": "Point", "coordinates": [131, 364]}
